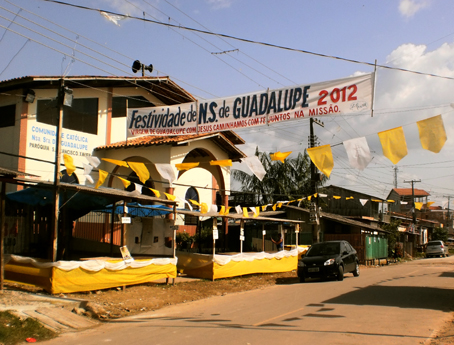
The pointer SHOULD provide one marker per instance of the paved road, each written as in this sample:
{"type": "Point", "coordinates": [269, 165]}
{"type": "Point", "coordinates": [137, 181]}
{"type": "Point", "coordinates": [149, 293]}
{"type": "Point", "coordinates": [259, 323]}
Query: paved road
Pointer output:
{"type": "Point", "coordinates": [396, 304]}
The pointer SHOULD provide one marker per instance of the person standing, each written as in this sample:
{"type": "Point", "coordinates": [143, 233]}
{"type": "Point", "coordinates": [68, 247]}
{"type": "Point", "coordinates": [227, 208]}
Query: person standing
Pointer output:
{"type": "Point", "coordinates": [279, 242]}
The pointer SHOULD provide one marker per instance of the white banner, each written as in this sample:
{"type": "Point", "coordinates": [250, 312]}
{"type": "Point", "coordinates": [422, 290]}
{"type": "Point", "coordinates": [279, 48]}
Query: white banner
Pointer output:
{"type": "Point", "coordinates": [336, 97]}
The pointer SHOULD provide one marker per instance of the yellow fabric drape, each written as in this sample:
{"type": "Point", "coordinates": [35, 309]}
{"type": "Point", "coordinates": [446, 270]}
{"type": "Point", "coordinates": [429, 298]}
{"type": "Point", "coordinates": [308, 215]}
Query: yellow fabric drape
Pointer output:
{"type": "Point", "coordinates": [102, 177]}
{"type": "Point", "coordinates": [222, 163]}
{"type": "Point", "coordinates": [280, 156]}
{"type": "Point", "coordinates": [125, 182]}
{"type": "Point", "coordinates": [117, 162]}
{"type": "Point", "coordinates": [432, 133]}
{"type": "Point", "coordinates": [69, 164]}
{"type": "Point", "coordinates": [186, 166]}
{"type": "Point", "coordinates": [170, 196]}
{"type": "Point", "coordinates": [322, 157]}
{"type": "Point", "coordinates": [141, 170]}
{"type": "Point", "coordinates": [393, 144]}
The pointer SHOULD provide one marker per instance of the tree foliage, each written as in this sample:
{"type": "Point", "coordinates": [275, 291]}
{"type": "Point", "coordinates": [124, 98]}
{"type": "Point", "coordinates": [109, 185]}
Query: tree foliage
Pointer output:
{"type": "Point", "coordinates": [440, 234]}
{"type": "Point", "coordinates": [393, 236]}
{"type": "Point", "coordinates": [283, 181]}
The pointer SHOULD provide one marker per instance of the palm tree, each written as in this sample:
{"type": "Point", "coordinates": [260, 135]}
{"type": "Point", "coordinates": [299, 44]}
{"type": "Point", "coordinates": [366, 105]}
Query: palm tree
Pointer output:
{"type": "Point", "coordinates": [290, 180]}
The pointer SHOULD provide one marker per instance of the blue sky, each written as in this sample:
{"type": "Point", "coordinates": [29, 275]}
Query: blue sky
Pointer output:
{"type": "Point", "coordinates": [411, 34]}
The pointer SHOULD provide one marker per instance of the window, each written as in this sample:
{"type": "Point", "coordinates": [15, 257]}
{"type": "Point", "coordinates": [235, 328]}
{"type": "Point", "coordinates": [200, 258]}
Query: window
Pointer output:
{"type": "Point", "coordinates": [120, 104]}
{"type": "Point", "coordinates": [82, 116]}
{"type": "Point", "coordinates": [8, 115]}
{"type": "Point", "coordinates": [192, 194]}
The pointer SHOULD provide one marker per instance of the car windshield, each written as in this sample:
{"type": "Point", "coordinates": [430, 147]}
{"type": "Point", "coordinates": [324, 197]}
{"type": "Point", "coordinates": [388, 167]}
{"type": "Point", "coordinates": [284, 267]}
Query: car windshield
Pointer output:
{"type": "Point", "coordinates": [324, 249]}
{"type": "Point", "coordinates": [434, 243]}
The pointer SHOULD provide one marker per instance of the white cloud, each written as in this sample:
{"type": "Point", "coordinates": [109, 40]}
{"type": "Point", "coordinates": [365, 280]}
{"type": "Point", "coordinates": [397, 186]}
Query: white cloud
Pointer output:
{"type": "Point", "coordinates": [220, 4]}
{"type": "Point", "coordinates": [408, 8]}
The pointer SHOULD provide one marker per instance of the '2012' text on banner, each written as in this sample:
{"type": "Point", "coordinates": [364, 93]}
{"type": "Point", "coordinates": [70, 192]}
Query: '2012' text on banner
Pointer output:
{"type": "Point", "coordinates": [336, 97]}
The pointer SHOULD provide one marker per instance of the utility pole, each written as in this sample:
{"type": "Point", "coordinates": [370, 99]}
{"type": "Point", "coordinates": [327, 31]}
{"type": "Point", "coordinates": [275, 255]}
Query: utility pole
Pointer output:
{"type": "Point", "coordinates": [315, 179]}
{"type": "Point", "coordinates": [413, 197]}
{"type": "Point", "coordinates": [396, 169]}
{"type": "Point", "coordinates": [448, 216]}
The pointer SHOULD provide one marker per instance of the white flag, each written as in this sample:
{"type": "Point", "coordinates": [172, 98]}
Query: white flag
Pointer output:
{"type": "Point", "coordinates": [87, 171]}
{"type": "Point", "coordinates": [238, 209]}
{"type": "Point", "coordinates": [255, 166]}
{"type": "Point", "coordinates": [94, 161]}
{"type": "Point", "coordinates": [363, 201]}
{"type": "Point", "coordinates": [185, 202]}
{"type": "Point", "coordinates": [167, 172]}
{"type": "Point", "coordinates": [213, 208]}
{"type": "Point", "coordinates": [358, 152]}
{"type": "Point", "coordinates": [138, 189]}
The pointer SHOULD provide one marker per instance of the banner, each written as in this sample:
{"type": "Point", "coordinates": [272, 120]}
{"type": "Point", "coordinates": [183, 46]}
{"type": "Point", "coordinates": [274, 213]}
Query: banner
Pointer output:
{"type": "Point", "coordinates": [336, 97]}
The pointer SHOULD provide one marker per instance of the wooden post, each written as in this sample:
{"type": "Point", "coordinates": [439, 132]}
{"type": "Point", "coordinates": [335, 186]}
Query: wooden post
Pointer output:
{"type": "Point", "coordinates": [2, 236]}
{"type": "Point", "coordinates": [112, 221]}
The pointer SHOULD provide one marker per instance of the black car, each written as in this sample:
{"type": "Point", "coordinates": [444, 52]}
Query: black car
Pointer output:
{"type": "Point", "coordinates": [328, 259]}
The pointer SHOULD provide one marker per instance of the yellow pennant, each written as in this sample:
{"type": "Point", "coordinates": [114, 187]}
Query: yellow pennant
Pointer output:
{"type": "Point", "coordinates": [170, 196]}
{"type": "Point", "coordinates": [389, 200]}
{"type": "Point", "coordinates": [125, 182]}
{"type": "Point", "coordinates": [263, 208]}
{"type": "Point", "coordinates": [141, 171]}
{"type": "Point", "coordinates": [274, 207]}
{"type": "Point", "coordinates": [186, 166]}
{"type": "Point", "coordinates": [69, 164]}
{"type": "Point", "coordinates": [222, 210]}
{"type": "Point", "coordinates": [375, 200]}
{"type": "Point", "coordinates": [227, 211]}
{"type": "Point", "coordinates": [309, 197]}
{"type": "Point", "coordinates": [322, 157]}
{"type": "Point", "coordinates": [432, 133]}
{"type": "Point", "coordinates": [348, 198]}
{"type": "Point", "coordinates": [117, 162]}
{"type": "Point", "coordinates": [102, 177]}
{"type": "Point", "coordinates": [245, 212]}
{"type": "Point", "coordinates": [194, 202]}
{"type": "Point", "coordinates": [204, 208]}
{"type": "Point", "coordinates": [279, 156]}
{"type": "Point", "coordinates": [257, 211]}
{"type": "Point", "coordinates": [222, 163]}
{"type": "Point", "coordinates": [336, 197]}
{"type": "Point", "coordinates": [156, 192]}
{"type": "Point", "coordinates": [279, 205]}
{"type": "Point", "coordinates": [393, 144]}
{"type": "Point", "coordinates": [418, 205]}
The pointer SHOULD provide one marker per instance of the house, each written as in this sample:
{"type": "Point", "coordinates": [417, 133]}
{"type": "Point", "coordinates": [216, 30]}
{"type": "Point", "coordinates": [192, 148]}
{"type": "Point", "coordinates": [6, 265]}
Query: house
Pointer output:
{"type": "Point", "coordinates": [95, 125]}
{"type": "Point", "coordinates": [404, 198]}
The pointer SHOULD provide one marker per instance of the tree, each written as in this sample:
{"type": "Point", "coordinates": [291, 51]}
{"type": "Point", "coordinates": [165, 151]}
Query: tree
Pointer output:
{"type": "Point", "coordinates": [290, 180]}
{"type": "Point", "coordinates": [393, 237]}
{"type": "Point", "coordinates": [440, 234]}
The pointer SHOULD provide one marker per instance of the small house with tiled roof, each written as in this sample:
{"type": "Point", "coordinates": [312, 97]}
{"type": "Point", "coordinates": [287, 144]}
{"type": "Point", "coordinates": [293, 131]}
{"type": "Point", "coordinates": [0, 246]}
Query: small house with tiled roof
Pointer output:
{"type": "Point", "coordinates": [402, 199]}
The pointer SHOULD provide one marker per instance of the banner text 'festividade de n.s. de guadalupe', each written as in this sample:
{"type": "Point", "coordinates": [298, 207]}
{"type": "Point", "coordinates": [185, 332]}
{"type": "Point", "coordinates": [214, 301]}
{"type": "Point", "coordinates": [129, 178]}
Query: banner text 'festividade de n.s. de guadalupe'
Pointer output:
{"type": "Point", "coordinates": [336, 97]}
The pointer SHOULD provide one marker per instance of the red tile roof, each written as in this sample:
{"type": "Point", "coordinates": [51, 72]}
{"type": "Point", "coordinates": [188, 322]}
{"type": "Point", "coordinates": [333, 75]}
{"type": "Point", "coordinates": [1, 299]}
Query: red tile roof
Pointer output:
{"type": "Point", "coordinates": [408, 191]}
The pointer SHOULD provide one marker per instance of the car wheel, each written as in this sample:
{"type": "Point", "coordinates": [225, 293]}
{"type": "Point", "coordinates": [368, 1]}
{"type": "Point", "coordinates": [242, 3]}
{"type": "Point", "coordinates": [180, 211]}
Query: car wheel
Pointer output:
{"type": "Point", "coordinates": [340, 273]}
{"type": "Point", "coordinates": [356, 271]}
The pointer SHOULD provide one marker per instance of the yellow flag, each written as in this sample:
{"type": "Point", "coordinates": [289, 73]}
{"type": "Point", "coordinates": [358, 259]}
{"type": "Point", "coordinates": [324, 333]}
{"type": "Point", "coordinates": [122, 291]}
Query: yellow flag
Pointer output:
{"type": "Point", "coordinates": [264, 208]}
{"type": "Point", "coordinates": [274, 207]}
{"type": "Point", "coordinates": [279, 156]}
{"type": "Point", "coordinates": [257, 211]}
{"type": "Point", "coordinates": [245, 212]}
{"type": "Point", "coordinates": [336, 197]}
{"type": "Point", "coordinates": [389, 200]}
{"type": "Point", "coordinates": [117, 162]}
{"type": "Point", "coordinates": [156, 192]}
{"type": "Point", "coordinates": [375, 200]}
{"type": "Point", "coordinates": [204, 208]}
{"type": "Point", "coordinates": [102, 177]}
{"type": "Point", "coordinates": [393, 144]}
{"type": "Point", "coordinates": [194, 202]}
{"type": "Point", "coordinates": [418, 205]}
{"type": "Point", "coordinates": [186, 166]}
{"type": "Point", "coordinates": [322, 157]}
{"type": "Point", "coordinates": [348, 198]}
{"type": "Point", "coordinates": [141, 170]}
{"type": "Point", "coordinates": [222, 163]}
{"type": "Point", "coordinates": [279, 205]}
{"type": "Point", "coordinates": [430, 203]}
{"type": "Point", "coordinates": [69, 164]}
{"type": "Point", "coordinates": [125, 182]}
{"type": "Point", "coordinates": [222, 210]}
{"type": "Point", "coordinates": [432, 133]}
{"type": "Point", "coordinates": [227, 211]}
{"type": "Point", "coordinates": [170, 196]}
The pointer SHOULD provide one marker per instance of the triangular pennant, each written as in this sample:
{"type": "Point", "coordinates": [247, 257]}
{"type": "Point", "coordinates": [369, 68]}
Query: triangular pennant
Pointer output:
{"type": "Point", "coordinates": [93, 161]}
{"type": "Point", "coordinates": [170, 196]}
{"type": "Point", "coordinates": [204, 208]}
{"type": "Point", "coordinates": [69, 164]}
{"type": "Point", "coordinates": [222, 210]}
{"type": "Point", "coordinates": [432, 133]}
{"type": "Point", "coordinates": [125, 182]}
{"type": "Point", "coordinates": [138, 188]}
{"type": "Point", "coordinates": [117, 162]}
{"type": "Point", "coordinates": [238, 209]}
{"type": "Point", "coordinates": [245, 212]}
{"type": "Point", "coordinates": [166, 171]}
{"type": "Point", "coordinates": [222, 163]}
{"type": "Point", "coordinates": [255, 166]}
{"type": "Point", "coordinates": [186, 166]}
{"type": "Point", "coordinates": [337, 197]}
{"type": "Point", "coordinates": [322, 157]}
{"type": "Point", "coordinates": [194, 202]}
{"type": "Point", "coordinates": [214, 208]}
{"type": "Point", "coordinates": [227, 211]}
{"type": "Point", "coordinates": [363, 201]}
{"type": "Point", "coordinates": [102, 177]}
{"type": "Point", "coordinates": [358, 152]}
{"type": "Point", "coordinates": [279, 156]}
{"type": "Point", "coordinates": [185, 202]}
{"type": "Point", "coordinates": [393, 144]}
{"type": "Point", "coordinates": [418, 205]}
{"type": "Point", "coordinates": [141, 171]}
{"type": "Point", "coordinates": [155, 191]}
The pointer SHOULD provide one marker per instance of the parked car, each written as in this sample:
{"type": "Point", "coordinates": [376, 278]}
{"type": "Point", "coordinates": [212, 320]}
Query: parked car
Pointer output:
{"type": "Point", "coordinates": [328, 259]}
{"type": "Point", "coordinates": [436, 248]}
